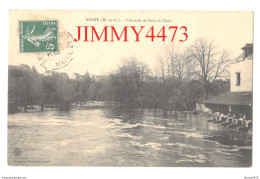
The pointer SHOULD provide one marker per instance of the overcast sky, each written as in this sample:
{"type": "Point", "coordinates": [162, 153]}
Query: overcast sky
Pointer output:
{"type": "Point", "coordinates": [228, 30]}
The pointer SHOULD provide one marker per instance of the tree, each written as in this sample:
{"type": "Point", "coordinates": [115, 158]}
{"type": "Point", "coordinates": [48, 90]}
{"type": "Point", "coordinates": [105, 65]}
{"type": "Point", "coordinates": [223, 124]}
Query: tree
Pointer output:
{"type": "Point", "coordinates": [210, 64]}
{"type": "Point", "coordinates": [170, 54]}
{"type": "Point", "coordinates": [128, 80]}
{"type": "Point", "coordinates": [66, 90]}
{"type": "Point", "coordinates": [162, 67]}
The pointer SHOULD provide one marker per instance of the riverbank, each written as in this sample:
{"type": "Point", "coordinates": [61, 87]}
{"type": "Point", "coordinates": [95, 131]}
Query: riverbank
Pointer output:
{"type": "Point", "coordinates": [57, 107]}
{"type": "Point", "coordinates": [108, 136]}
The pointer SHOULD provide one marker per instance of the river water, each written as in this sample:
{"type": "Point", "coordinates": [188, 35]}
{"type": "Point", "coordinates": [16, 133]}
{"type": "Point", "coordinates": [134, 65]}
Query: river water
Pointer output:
{"type": "Point", "coordinates": [118, 137]}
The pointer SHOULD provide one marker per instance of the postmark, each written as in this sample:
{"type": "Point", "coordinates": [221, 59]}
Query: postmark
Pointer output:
{"type": "Point", "coordinates": [47, 41]}
{"type": "Point", "coordinates": [38, 36]}
{"type": "Point", "coordinates": [62, 57]}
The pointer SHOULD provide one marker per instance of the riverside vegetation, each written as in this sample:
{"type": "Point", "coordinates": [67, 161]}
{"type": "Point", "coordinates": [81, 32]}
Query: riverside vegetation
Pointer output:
{"type": "Point", "coordinates": [178, 82]}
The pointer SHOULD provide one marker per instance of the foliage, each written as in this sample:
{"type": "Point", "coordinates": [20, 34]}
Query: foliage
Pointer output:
{"type": "Point", "coordinates": [179, 81]}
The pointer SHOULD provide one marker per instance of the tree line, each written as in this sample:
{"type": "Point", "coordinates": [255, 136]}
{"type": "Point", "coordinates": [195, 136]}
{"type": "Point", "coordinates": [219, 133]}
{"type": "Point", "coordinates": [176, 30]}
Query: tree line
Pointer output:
{"type": "Point", "coordinates": [178, 81]}
{"type": "Point", "coordinates": [26, 87]}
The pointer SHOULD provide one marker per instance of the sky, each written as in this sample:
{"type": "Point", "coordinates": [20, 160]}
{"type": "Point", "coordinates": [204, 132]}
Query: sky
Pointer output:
{"type": "Point", "coordinates": [228, 30]}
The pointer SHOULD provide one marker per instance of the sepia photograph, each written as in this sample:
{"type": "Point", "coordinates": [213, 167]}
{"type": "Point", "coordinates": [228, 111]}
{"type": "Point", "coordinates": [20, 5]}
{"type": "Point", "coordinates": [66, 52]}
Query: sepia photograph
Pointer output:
{"type": "Point", "coordinates": [130, 88]}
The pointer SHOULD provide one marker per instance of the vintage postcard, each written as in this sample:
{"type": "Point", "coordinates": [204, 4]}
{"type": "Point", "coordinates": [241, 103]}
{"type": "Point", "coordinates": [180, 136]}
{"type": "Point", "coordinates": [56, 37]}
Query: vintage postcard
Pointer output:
{"type": "Point", "coordinates": [130, 88]}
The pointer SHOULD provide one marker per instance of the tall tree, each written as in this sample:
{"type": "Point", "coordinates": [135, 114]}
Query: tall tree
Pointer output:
{"type": "Point", "coordinates": [210, 64]}
{"type": "Point", "coordinates": [162, 68]}
{"type": "Point", "coordinates": [128, 80]}
{"type": "Point", "coordinates": [170, 54]}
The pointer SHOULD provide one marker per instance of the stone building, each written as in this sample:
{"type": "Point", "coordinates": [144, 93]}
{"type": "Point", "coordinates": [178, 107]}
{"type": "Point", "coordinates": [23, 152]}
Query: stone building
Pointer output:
{"type": "Point", "coordinates": [239, 100]}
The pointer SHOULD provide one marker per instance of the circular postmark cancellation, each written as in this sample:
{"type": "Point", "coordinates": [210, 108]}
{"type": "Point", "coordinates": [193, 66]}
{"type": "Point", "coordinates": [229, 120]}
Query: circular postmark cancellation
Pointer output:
{"type": "Point", "coordinates": [61, 58]}
{"type": "Point", "coordinates": [52, 45]}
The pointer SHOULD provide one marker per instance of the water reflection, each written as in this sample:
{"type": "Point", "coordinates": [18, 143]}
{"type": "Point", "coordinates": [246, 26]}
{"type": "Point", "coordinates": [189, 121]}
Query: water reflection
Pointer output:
{"type": "Point", "coordinates": [124, 137]}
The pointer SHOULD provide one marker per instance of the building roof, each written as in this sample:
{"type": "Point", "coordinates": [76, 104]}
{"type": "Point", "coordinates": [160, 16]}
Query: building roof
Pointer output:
{"type": "Point", "coordinates": [250, 57]}
{"type": "Point", "coordinates": [248, 45]}
{"type": "Point", "coordinates": [240, 58]}
{"type": "Point", "coordinates": [232, 98]}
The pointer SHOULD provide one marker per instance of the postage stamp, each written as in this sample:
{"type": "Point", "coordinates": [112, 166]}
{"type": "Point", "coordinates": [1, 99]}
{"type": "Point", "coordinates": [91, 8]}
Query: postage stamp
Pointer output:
{"type": "Point", "coordinates": [38, 36]}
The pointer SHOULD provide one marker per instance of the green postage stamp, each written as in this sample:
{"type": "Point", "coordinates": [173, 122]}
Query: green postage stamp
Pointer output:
{"type": "Point", "coordinates": [38, 36]}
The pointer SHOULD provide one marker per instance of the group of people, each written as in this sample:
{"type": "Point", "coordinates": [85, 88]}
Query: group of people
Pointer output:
{"type": "Point", "coordinates": [232, 121]}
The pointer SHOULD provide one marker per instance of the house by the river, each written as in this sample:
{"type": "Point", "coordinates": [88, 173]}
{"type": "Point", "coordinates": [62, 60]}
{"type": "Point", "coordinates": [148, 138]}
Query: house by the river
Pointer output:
{"type": "Point", "coordinates": [240, 98]}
